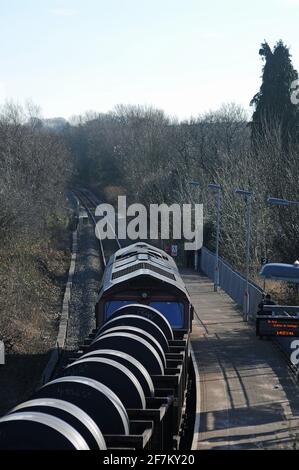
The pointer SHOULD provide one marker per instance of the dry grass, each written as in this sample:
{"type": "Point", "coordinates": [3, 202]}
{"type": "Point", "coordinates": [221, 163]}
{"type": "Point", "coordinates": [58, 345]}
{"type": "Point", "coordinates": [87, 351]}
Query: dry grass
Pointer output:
{"type": "Point", "coordinates": [283, 293]}
{"type": "Point", "coordinates": [32, 281]}
{"type": "Point", "coordinates": [32, 278]}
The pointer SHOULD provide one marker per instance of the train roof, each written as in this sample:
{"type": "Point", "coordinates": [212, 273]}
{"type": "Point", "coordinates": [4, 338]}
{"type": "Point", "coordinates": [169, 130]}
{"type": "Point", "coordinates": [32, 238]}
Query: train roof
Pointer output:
{"type": "Point", "coordinates": [281, 272]}
{"type": "Point", "coordinates": [141, 260]}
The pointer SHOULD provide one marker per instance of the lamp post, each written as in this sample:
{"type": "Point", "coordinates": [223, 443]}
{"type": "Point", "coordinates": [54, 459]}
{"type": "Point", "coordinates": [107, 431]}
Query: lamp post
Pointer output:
{"type": "Point", "coordinates": [281, 202]}
{"type": "Point", "coordinates": [217, 189]}
{"type": "Point", "coordinates": [247, 197]}
{"type": "Point", "coordinates": [197, 184]}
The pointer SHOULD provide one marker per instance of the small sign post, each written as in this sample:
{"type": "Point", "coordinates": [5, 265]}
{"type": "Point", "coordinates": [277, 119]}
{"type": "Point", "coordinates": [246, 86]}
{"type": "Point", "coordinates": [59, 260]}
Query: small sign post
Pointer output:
{"type": "Point", "coordinates": [264, 261]}
{"type": "Point", "coordinates": [2, 353]}
{"type": "Point", "coordinates": [174, 250]}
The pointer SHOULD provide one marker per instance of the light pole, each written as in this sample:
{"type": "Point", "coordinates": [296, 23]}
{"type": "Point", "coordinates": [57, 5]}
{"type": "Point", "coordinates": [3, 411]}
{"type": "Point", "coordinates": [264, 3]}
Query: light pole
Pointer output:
{"type": "Point", "coordinates": [281, 202]}
{"type": "Point", "coordinates": [247, 197]}
{"type": "Point", "coordinates": [217, 189]}
{"type": "Point", "coordinates": [197, 184]}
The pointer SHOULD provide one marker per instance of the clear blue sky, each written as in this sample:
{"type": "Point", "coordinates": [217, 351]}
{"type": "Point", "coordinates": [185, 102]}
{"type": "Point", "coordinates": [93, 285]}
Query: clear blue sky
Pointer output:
{"type": "Point", "coordinates": [184, 56]}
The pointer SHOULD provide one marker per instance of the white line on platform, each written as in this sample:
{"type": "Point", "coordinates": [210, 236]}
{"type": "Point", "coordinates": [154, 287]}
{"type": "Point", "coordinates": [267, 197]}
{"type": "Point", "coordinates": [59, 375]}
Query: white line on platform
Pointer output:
{"type": "Point", "coordinates": [197, 409]}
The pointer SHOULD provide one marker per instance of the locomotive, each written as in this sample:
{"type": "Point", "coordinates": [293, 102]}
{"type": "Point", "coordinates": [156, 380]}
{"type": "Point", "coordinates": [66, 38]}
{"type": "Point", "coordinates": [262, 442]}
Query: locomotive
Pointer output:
{"type": "Point", "coordinates": [131, 384]}
{"type": "Point", "coordinates": [145, 275]}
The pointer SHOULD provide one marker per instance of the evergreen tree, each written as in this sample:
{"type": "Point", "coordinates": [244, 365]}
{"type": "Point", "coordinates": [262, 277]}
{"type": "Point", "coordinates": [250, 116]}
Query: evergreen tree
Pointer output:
{"type": "Point", "coordinates": [273, 107]}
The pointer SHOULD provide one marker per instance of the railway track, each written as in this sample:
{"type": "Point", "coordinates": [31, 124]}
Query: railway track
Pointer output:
{"type": "Point", "coordinates": [106, 247]}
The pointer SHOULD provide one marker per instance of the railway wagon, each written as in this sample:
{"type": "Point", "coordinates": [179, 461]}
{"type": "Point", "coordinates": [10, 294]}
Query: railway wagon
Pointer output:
{"type": "Point", "coordinates": [131, 383]}
{"type": "Point", "coordinates": [143, 279]}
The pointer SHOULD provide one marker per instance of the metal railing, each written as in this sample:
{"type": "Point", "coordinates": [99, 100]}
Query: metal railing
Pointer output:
{"type": "Point", "coordinates": [232, 282]}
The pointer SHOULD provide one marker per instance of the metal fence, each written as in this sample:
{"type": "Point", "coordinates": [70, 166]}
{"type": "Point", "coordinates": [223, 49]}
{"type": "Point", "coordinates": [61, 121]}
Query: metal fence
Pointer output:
{"type": "Point", "coordinates": [232, 282]}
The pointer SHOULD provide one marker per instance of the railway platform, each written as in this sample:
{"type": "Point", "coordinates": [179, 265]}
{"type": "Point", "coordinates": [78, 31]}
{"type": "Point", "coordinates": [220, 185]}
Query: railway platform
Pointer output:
{"type": "Point", "coordinates": [247, 397]}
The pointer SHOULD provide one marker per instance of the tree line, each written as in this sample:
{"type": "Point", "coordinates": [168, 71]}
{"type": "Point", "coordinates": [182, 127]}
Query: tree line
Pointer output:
{"type": "Point", "coordinates": [152, 158]}
{"type": "Point", "coordinates": [35, 167]}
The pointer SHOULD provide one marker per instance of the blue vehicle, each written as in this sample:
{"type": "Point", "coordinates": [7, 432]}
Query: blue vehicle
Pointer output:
{"type": "Point", "coordinates": [281, 272]}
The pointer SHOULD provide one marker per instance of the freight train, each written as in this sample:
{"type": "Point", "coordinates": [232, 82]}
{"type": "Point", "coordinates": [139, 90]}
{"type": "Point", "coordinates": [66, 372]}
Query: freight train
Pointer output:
{"type": "Point", "coordinates": [131, 385]}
